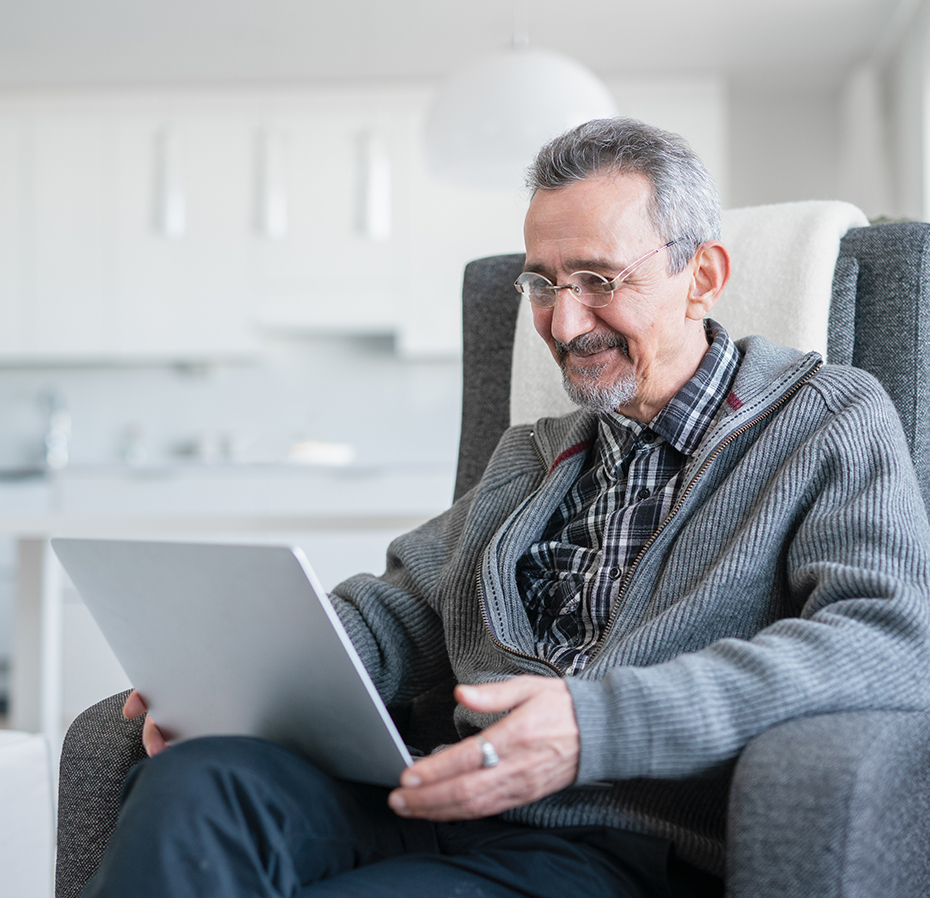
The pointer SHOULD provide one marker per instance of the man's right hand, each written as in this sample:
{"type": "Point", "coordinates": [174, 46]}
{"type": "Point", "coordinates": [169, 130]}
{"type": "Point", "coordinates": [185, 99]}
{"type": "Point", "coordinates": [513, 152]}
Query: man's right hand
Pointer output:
{"type": "Point", "coordinates": [152, 739]}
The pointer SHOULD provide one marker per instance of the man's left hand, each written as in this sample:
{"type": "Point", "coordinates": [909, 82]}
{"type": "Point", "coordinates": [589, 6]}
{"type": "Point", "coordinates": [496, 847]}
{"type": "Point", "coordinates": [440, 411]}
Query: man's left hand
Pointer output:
{"type": "Point", "coordinates": [537, 744]}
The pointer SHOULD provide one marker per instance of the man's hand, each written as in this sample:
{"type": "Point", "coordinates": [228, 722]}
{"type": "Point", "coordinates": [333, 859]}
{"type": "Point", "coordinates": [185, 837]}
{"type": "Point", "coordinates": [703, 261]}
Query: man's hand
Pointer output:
{"type": "Point", "coordinates": [537, 743]}
{"type": "Point", "coordinates": [152, 738]}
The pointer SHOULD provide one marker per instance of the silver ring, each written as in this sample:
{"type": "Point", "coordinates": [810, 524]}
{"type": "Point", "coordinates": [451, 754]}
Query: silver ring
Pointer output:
{"type": "Point", "coordinates": [489, 756]}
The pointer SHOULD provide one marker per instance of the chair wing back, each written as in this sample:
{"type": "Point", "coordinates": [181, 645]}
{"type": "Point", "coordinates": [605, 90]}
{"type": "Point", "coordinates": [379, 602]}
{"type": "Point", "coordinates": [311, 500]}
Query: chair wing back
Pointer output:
{"type": "Point", "coordinates": [489, 317]}
{"type": "Point", "coordinates": [880, 321]}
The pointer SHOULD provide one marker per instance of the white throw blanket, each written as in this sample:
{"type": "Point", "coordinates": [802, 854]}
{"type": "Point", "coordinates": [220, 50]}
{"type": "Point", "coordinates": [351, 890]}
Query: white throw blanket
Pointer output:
{"type": "Point", "coordinates": [783, 261]}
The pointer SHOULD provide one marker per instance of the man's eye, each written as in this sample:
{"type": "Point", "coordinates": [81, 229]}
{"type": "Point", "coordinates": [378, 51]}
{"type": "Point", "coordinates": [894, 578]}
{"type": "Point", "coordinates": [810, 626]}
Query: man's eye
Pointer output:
{"type": "Point", "coordinates": [590, 282]}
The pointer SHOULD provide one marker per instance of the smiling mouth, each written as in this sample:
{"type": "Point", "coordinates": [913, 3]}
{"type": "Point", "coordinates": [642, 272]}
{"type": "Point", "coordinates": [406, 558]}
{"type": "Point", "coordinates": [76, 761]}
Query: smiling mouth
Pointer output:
{"type": "Point", "coordinates": [588, 345]}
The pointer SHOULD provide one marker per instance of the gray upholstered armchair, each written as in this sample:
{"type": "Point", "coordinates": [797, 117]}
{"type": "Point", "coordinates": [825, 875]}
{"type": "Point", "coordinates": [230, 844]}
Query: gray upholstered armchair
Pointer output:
{"type": "Point", "coordinates": [823, 806]}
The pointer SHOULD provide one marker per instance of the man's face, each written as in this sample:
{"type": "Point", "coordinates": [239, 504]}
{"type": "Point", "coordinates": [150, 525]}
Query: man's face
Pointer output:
{"type": "Point", "coordinates": [636, 352]}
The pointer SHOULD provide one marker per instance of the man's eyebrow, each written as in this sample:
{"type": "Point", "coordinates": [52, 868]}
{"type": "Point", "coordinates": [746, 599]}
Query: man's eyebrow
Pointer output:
{"type": "Point", "coordinates": [594, 264]}
{"type": "Point", "coordinates": [572, 265]}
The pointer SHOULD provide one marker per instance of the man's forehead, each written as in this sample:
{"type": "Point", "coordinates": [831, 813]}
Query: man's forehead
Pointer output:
{"type": "Point", "coordinates": [601, 219]}
{"type": "Point", "coordinates": [616, 196]}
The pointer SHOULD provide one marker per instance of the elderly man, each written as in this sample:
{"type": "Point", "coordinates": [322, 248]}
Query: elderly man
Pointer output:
{"type": "Point", "coordinates": [725, 536]}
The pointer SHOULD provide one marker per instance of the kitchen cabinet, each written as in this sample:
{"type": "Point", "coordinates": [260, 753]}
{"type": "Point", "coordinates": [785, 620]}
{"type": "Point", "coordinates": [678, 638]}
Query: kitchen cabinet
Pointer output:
{"type": "Point", "coordinates": [136, 227]}
{"type": "Point", "coordinates": [325, 272]}
{"type": "Point", "coordinates": [55, 294]}
{"type": "Point", "coordinates": [89, 275]}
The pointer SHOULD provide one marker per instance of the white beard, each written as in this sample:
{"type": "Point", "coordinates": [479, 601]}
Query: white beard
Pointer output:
{"type": "Point", "coordinates": [600, 397]}
{"type": "Point", "coordinates": [585, 390]}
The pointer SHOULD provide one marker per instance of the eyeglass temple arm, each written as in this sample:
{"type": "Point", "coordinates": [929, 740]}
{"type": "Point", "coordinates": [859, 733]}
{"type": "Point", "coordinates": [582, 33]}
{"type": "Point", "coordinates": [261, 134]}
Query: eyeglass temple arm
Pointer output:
{"type": "Point", "coordinates": [615, 282]}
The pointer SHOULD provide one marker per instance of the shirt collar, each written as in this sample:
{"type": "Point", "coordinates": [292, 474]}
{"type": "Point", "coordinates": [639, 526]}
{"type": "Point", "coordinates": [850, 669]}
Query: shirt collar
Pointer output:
{"type": "Point", "coordinates": [685, 418]}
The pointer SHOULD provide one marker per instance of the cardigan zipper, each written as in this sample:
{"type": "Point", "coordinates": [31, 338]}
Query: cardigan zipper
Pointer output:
{"type": "Point", "coordinates": [506, 648]}
{"type": "Point", "coordinates": [484, 611]}
{"type": "Point", "coordinates": [481, 603]}
{"type": "Point", "coordinates": [537, 450]}
{"type": "Point", "coordinates": [681, 500]}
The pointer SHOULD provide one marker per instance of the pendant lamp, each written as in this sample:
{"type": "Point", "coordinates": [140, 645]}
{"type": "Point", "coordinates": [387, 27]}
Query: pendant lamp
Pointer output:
{"type": "Point", "coordinates": [489, 120]}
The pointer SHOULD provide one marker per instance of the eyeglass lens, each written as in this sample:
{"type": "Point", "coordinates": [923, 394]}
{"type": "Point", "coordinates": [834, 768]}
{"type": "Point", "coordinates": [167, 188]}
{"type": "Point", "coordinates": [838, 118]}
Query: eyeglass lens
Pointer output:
{"type": "Point", "coordinates": [587, 287]}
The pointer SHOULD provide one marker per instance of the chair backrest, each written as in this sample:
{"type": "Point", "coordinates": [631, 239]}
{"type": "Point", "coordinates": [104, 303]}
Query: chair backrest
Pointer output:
{"type": "Point", "coordinates": [879, 319]}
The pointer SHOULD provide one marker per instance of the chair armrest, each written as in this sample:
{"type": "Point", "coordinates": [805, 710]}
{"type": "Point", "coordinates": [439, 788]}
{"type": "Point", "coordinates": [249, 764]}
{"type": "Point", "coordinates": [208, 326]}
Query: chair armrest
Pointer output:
{"type": "Point", "coordinates": [99, 749]}
{"type": "Point", "coordinates": [836, 806]}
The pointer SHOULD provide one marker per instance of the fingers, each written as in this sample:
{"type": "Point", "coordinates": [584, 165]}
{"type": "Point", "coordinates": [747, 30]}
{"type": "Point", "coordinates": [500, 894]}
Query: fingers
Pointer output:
{"type": "Point", "coordinates": [152, 738]}
{"type": "Point", "coordinates": [464, 757]}
{"type": "Point", "coordinates": [537, 743]}
{"type": "Point", "coordinates": [491, 698]}
{"type": "Point", "coordinates": [480, 792]}
{"type": "Point", "coordinates": [133, 706]}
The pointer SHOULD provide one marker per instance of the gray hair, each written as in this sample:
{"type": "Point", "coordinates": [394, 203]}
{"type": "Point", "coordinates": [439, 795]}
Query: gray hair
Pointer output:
{"type": "Point", "coordinates": [685, 203]}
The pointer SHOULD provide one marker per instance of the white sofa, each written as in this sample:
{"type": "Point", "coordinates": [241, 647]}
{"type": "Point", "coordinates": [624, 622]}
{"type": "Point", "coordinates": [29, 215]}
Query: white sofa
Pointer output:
{"type": "Point", "coordinates": [27, 815]}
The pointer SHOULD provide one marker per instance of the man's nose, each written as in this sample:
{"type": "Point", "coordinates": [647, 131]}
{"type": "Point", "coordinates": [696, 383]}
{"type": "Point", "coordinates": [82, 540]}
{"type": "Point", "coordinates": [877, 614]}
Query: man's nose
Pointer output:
{"type": "Point", "coordinates": [570, 318]}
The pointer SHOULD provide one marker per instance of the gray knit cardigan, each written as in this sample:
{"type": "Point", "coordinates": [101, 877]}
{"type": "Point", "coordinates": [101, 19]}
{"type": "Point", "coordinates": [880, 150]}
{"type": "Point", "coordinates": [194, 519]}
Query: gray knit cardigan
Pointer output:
{"type": "Point", "coordinates": [791, 578]}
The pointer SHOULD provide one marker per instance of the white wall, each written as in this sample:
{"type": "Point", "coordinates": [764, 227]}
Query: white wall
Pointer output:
{"type": "Point", "coordinates": [783, 146]}
{"type": "Point", "coordinates": [904, 76]}
{"type": "Point", "coordinates": [697, 107]}
{"type": "Point", "coordinates": [884, 129]}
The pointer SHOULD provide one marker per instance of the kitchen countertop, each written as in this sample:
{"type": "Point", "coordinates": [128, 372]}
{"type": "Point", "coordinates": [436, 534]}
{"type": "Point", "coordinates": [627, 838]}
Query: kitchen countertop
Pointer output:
{"type": "Point", "coordinates": [189, 490]}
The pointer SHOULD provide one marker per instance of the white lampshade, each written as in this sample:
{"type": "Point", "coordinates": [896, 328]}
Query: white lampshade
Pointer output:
{"type": "Point", "coordinates": [487, 123]}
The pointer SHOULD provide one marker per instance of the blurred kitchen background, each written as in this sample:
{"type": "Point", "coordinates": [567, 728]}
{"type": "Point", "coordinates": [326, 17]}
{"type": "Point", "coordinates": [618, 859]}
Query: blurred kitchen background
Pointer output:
{"type": "Point", "coordinates": [229, 275]}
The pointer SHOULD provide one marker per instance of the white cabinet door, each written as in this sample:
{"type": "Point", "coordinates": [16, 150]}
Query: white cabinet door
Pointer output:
{"type": "Point", "coordinates": [72, 298]}
{"type": "Point", "coordinates": [326, 273]}
{"type": "Point", "coordinates": [183, 293]}
{"type": "Point", "coordinates": [16, 332]}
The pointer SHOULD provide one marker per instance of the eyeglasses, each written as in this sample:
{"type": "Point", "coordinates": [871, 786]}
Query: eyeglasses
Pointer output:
{"type": "Point", "coordinates": [588, 287]}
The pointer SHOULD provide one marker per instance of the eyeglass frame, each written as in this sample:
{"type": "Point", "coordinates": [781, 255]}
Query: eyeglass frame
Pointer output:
{"type": "Point", "coordinates": [575, 290]}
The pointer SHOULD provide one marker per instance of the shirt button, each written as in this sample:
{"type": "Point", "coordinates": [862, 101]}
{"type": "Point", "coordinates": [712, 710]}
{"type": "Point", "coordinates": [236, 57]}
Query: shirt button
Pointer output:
{"type": "Point", "coordinates": [614, 573]}
{"type": "Point", "coordinates": [648, 436]}
{"type": "Point", "coordinates": [643, 494]}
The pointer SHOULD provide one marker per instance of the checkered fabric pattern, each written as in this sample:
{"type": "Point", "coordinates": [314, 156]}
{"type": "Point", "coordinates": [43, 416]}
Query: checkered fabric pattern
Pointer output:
{"type": "Point", "coordinates": [570, 578]}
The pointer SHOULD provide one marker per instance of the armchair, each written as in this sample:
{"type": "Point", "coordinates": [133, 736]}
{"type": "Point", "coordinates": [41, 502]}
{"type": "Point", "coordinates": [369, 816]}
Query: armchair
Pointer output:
{"type": "Point", "coordinates": [834, 806]}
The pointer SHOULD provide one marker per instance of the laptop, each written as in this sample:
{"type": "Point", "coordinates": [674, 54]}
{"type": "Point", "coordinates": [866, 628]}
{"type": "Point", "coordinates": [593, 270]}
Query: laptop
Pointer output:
{"type": "Point", "coordinates": [237, 639]}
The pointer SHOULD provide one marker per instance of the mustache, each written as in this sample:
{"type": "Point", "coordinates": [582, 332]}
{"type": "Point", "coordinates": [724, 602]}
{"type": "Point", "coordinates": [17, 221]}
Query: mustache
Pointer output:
{"type": "Point", "coordinates": [589, 344]}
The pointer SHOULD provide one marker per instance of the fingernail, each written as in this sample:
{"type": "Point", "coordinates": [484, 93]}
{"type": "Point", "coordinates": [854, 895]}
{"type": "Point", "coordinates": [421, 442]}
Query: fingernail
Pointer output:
{"type": "Point", "coordinates": [411, 780]}
{"type": "Point", "coordinates": [397, 804]}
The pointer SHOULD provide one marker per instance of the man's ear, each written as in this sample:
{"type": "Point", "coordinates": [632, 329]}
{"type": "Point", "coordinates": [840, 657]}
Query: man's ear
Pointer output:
{"type": "Point", "coordinates": [710, 273]}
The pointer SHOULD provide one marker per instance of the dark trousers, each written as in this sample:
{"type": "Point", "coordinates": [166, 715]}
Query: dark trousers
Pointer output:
{"type": "Point", "coordinates": [230, 816]}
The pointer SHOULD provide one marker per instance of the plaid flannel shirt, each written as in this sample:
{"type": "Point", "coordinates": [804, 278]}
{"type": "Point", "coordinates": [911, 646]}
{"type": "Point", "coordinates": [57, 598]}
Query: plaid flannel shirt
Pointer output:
{"type": "Point", "coordinates": [631, 479]}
